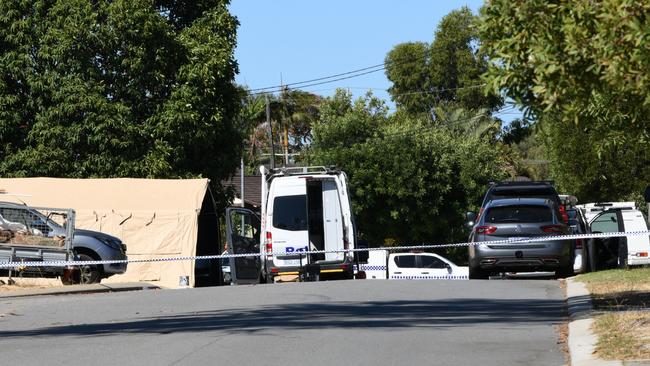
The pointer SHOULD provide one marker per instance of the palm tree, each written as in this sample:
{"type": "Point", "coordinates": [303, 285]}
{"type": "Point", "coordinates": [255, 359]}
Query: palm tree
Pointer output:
{"type": "Point", "coordinates": [475, 123]}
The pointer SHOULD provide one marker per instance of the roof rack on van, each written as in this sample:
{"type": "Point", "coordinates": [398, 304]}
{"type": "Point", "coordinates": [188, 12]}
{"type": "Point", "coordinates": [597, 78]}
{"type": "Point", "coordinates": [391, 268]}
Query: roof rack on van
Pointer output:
{"type": "Point", "coordinates": [602, 206]}
{"type": "Point", "coordinates": [300, 170]}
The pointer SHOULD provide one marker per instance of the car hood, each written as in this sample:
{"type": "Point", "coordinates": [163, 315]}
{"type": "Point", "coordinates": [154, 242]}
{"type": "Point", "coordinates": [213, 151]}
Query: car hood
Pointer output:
{"type": "Point", "coordinates": [94, 234]}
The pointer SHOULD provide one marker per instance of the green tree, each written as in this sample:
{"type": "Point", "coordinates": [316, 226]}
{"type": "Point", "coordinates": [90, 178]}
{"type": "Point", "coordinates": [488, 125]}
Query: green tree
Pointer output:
{"type": "Point", "coordinates": [411, 180]}
{"type": "Point", "coordinates": [447, 71]}
{"type": "Point", "coordinates": [118, 88]}
{"type": "Point", "coordinates": [582, 69]}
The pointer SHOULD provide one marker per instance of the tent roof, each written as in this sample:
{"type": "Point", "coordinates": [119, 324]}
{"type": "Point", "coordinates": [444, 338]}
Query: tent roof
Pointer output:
{"type": "Point", "coordinates": [115, 193]}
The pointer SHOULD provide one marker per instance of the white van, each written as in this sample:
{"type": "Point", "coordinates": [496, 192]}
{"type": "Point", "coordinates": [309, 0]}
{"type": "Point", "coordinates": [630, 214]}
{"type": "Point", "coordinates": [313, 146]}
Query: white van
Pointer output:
{"type": "Point", "coordinates": [616, 217]}
{"type": "Point", "coordinates": [303, 209]}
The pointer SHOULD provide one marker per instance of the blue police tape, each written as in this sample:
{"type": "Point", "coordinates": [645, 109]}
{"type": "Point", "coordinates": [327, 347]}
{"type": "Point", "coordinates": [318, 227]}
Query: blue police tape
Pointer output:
{"type": "Point", "coordinates": [519, 241]}
{"type": "Point", "coordinates": [449, 277]}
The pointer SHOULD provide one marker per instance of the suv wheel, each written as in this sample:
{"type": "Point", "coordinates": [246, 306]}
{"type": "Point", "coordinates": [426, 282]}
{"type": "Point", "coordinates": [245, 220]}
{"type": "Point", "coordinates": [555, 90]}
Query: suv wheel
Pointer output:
{"type": "Point", "coordinates": [564, 272]}
{"type": "Point", "coordinates": [478, 274]}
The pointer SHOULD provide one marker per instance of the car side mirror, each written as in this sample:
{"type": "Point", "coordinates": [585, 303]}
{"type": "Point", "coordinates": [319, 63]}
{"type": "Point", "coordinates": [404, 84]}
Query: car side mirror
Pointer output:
{"type": "Point", "coordinates": [470, 219]}
{"type": "Point", "coordinates": [448, 267]}
{"type": "Point", "coordinates": [470, 216]}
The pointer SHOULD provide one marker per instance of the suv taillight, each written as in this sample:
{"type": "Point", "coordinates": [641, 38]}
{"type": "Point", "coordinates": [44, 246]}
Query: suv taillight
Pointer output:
{"type": "Point", "coordinates": [554, 229]}
{"type": "Point", "coordinates": [269, 242]}
{"type": "Point", "coordinates": [485, 229]}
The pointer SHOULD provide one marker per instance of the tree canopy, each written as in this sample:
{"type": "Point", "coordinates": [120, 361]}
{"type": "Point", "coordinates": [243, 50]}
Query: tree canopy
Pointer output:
{"type": "Point", "coordinates": [137, 88]}
{"type": "Point", "coordinates": [582, 69]}
{"type": "Point", "coordinates": [411, 180]}
{"type": "Point", "coordinates": [447, 71]}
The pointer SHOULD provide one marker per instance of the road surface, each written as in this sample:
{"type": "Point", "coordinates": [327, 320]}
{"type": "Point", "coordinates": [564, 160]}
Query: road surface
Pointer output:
{"type": "Point", "coordinates": [327, 323]}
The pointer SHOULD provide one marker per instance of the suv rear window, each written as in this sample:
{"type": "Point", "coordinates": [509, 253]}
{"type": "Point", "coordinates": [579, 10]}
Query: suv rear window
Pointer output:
{"type": "Point", "coordinates": [290, 213]}
{"type": "Point", "coordinates": [519, 213]}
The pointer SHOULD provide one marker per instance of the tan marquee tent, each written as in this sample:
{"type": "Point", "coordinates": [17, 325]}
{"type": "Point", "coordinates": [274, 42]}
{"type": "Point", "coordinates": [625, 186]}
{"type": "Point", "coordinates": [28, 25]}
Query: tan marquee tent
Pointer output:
{"type": "Point", "coordinates": [155, 218]}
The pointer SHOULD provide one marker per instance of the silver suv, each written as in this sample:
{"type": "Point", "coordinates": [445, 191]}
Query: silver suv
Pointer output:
{"type": "Point", "coordinates": [520, 218]}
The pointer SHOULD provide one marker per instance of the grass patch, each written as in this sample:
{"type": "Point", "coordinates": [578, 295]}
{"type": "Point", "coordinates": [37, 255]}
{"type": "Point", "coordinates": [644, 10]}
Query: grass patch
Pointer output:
{"type": "Point", "coordinates": [623, 296]}
{"type": "Point", "coordinates": [618, 289]}
{"type": "Point", "coordinates": [623, 335]}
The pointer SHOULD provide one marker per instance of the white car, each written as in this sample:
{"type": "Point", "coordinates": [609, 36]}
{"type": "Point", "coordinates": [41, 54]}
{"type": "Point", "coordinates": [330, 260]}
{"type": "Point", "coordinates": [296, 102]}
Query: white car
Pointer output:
{"type": "Point", "coordinates": [412, 266]}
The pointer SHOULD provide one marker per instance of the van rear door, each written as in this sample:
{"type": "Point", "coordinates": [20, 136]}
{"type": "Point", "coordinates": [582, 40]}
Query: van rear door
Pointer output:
{"type": "Point", "coordinates": [332, 220]}
{"type": "Point", "coordinates": [289, 226]}
{"type": "Point", "coordinates": [243, 235]}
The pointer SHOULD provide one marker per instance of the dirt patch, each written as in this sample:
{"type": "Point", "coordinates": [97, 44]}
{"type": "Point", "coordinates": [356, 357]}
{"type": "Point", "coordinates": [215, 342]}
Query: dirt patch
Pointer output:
{"type": "Point", "coordinates": [27, 283]}
{"type": "Point", "coordinates": [562, 331]}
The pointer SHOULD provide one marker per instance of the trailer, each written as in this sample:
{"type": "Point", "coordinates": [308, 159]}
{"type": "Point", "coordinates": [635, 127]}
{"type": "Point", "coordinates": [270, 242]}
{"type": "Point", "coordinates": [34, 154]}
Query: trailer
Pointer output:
{"type": "Point", "coordinates": [35, 234]}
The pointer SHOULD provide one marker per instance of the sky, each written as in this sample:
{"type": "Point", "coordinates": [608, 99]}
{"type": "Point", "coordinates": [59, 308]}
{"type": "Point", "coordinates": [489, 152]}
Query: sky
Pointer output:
{"type": "Point", "coordinates": [288, 41]}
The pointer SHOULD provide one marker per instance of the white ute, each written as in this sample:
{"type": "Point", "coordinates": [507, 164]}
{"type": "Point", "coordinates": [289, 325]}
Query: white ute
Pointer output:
{"type": "Point", "coordinates": [303, 209]}
{"type": "Point", "coordinates": [412, 266]}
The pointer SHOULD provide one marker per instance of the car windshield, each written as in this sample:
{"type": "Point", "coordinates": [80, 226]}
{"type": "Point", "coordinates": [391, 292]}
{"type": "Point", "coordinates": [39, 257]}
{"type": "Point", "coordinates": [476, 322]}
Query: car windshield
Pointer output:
{"type": "Point", "coordinates": [290, 213]}
{"type": "Point", "coordinates": [519, 213]}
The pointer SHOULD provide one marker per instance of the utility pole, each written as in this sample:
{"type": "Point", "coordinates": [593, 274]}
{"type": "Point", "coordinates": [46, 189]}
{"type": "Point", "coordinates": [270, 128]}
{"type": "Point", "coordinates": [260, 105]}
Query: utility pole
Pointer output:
{"type": "Point", "coordinates": [241, 170]}
{"type": "Point", "coordinates": [285, 127]}
{"type": "Point", "coordinates": [268, 120]}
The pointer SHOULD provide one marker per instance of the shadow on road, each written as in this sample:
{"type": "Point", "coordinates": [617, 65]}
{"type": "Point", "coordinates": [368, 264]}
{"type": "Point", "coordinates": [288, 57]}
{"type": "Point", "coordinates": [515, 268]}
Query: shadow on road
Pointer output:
{"type": "Point", "coordinates": [377, 314]}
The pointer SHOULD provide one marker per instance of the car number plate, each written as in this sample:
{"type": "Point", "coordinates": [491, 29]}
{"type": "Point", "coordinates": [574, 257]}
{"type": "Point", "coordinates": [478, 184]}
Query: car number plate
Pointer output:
{"type": "Point", "coordinates": [518, 238]}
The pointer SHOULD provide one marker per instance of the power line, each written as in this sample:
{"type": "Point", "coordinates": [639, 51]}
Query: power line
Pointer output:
{"type": "Point", "coordinates": [335, 77]}
{"type": "Point", "coordinates": [319, 83]}
{"type": "Point", "coordinates": [322, 78]}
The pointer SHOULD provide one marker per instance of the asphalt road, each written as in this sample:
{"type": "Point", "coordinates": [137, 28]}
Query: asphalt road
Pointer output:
{"type": "Point", "coordinates": [327, 323]}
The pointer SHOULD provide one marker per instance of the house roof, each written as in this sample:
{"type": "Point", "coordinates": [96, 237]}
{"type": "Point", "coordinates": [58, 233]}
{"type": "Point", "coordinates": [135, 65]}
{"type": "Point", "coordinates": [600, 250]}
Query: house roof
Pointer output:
{"type": "Point", "coordinates": [252, 188]}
